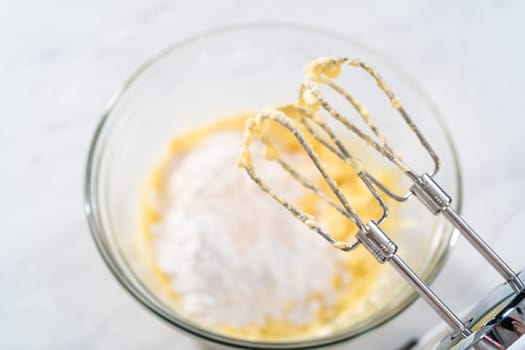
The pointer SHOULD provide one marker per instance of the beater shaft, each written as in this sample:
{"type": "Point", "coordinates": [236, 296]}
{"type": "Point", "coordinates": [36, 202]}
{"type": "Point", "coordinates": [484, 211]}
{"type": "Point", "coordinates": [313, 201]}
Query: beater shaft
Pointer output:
{"type": "Point", "coordinates": [452, 320]}
{"type": "Point", "coordinates": [438, 201]}
{"type": "Point", "coordinates": [385, 250]}
{"type": "Point", "coordinates": [484, 249]}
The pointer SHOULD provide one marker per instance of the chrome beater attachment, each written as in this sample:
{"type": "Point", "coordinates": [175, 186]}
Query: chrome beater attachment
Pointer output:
{"type": "Point", "coordinates": [304, 122]}
{"type": "Point", "coordinates": [424, 186]}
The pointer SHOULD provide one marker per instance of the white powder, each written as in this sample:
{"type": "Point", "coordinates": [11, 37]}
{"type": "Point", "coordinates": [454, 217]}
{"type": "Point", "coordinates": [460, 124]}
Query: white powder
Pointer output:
{"type": "Point", "coordinates": [233, 255]}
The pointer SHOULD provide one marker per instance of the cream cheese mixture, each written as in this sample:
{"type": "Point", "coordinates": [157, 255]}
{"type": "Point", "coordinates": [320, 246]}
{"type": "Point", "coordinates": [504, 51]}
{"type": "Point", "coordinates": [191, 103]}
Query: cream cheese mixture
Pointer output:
{"type": "Point", "coordinates": [223, 254]}
{"type": "Point", "coordinates": [226, 256]}
{"type": "Point", "coordinates": [232, 255]}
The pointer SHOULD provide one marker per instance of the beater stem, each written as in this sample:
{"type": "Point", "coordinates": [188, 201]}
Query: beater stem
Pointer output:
{"type": "Point", "coordinates": [377, 242]}
{"type": "Point", "coordinates": [438, 201]}
{"type": "Point", "coordinates": [484, 249]}
{"type": "Point", "coordinates": [429, 296]}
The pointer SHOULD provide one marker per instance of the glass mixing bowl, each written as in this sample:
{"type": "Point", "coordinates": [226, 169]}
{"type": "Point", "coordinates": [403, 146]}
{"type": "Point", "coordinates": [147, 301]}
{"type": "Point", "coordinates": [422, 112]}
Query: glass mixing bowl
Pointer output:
{"type": "Point", "coordinates": [224, 72]}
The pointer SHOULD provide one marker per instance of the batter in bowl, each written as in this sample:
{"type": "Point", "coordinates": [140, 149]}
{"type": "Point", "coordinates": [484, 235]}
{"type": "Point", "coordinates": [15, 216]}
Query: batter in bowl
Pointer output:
{"type": "Point", "coordinates": [230, 259]}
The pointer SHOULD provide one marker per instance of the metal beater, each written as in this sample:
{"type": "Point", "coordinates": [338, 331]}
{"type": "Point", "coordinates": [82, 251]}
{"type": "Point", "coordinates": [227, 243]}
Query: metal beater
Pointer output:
{"type": "Point", "coordinates": [305, 123]}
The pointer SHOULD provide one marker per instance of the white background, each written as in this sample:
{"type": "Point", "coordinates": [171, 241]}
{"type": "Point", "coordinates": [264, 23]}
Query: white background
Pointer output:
{"type": "Point", "coordinates": [61, 60]}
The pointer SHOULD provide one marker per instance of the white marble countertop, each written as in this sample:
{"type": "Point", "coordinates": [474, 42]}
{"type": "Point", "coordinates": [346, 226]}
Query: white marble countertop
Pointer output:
{"type": "Point", "coordinates": [61, 60]}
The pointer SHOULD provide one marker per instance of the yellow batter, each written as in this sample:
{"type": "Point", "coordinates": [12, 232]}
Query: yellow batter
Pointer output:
{"type": "Point", "coordinates": [361, 265]}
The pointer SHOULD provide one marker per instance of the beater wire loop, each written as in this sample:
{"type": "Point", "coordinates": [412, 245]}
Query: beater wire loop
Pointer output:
{"type": "Point", "coordinates": [304, 123]}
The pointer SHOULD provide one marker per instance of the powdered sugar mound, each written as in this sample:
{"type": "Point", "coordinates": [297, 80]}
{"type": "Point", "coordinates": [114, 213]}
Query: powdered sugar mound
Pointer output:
{"type": "Point", "coordinates": [233, 255]}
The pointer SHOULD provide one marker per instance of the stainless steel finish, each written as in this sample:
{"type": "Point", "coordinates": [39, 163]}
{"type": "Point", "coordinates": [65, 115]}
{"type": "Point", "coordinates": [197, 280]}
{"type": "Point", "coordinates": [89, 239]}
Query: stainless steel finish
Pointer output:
{"type": "Point", "coordinates": [384, 250]}
{"type": "Point", "coordinates": [437, 201]}
{"type": "Point", "coordinates": [491, 310]}
{"type": "Point", "coordinates": [491, 316]}
{"type": "Point", "coordinates": [487, 311]}
{"type": "Point", "coordinates": [502, 332]}
{"type": "Point", "coordinates": [430, 297]}
{"type": "Point", "coordinates": [431, 194]}
{"type": "Point", "coordinates": [377, 242]}
{"type": "Point", "coordinates": [370, 234]}
{"type": "Point", "coordinates": [518, 344]}
{"type": "Point", "coordinates": [425, 188]}
{"type": "Point", "coordinates": [484, 249]}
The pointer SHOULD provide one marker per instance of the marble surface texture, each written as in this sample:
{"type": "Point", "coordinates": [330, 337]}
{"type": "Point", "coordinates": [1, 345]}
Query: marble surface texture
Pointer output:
{"type": "Point", "coordinates": [61, 60]}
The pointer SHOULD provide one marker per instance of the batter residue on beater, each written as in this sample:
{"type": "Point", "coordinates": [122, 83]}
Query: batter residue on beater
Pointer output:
{"type": "Point", "coordinates": [233, 261]}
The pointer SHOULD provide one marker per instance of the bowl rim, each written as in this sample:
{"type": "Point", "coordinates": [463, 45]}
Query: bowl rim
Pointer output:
{"type": "Point", "coordinates": [93, 215]}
